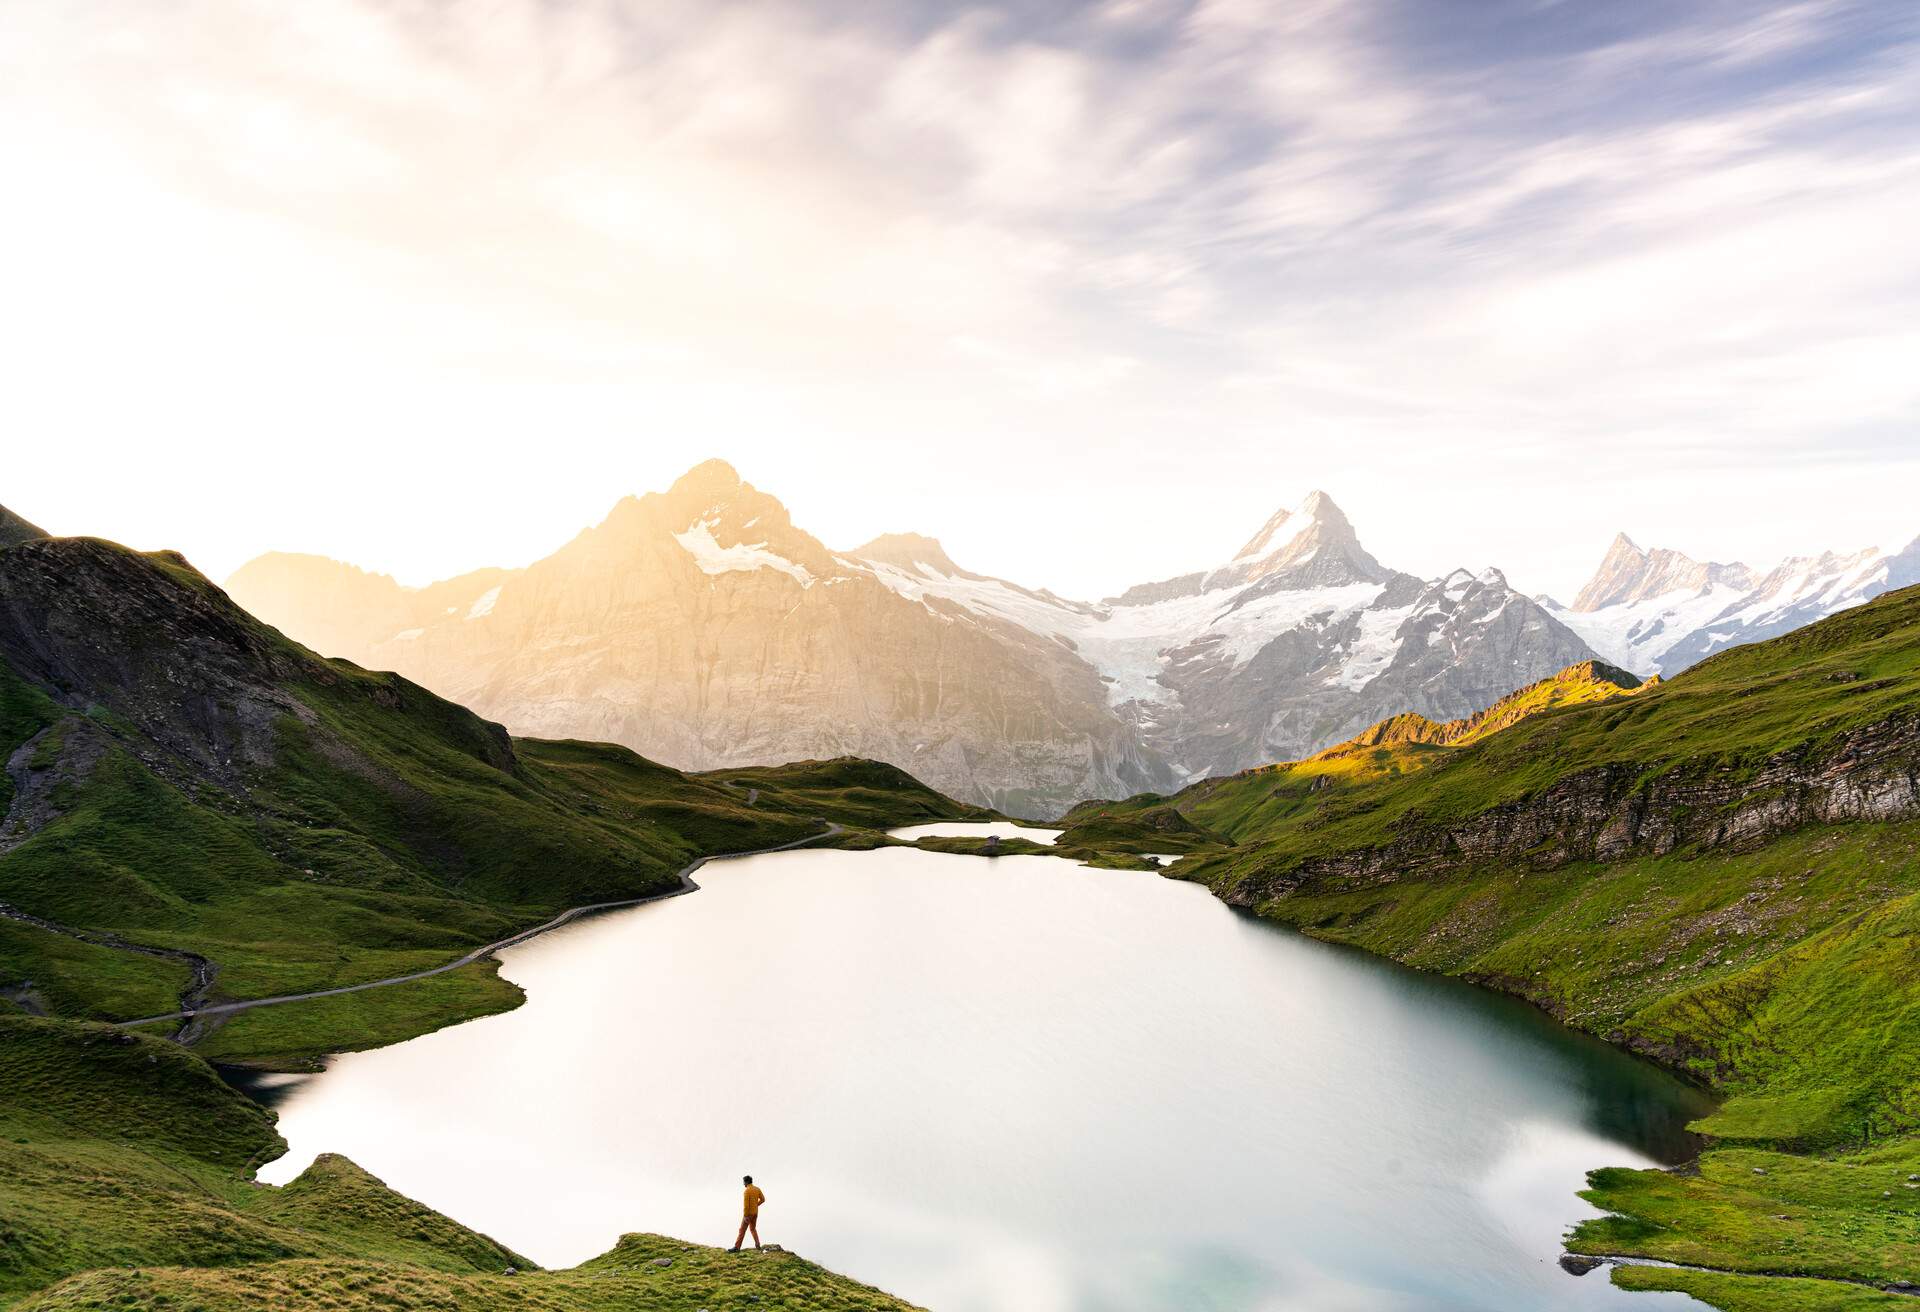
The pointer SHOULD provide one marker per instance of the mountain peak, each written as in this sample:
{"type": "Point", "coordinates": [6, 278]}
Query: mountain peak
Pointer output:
{"type": "Point", "coordinates": [1310, 546]}
{"type": "Point", "coordinates": [1630, 573]}
{"type": "Point", "coordinates": [708, 476]}
{"type": "Point", "coordinates": [1316, 516]}
{"type": "Point", "coordinates": [906, 550]}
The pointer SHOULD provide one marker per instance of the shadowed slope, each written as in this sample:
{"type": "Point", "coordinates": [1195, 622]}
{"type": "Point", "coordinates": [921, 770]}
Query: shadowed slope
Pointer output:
{"type": "Point", "coordinates": [183, 778]}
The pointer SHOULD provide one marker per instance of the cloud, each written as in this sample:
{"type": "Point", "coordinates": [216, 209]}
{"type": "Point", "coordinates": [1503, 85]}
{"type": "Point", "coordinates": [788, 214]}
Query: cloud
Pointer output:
{"type": "Point", "coordinates": [1031, 228]}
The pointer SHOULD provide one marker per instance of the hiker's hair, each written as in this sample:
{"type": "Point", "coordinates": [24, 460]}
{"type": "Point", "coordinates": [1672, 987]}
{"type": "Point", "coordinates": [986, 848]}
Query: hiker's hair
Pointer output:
{"type": "Point", "coordinates": [746, 1179]}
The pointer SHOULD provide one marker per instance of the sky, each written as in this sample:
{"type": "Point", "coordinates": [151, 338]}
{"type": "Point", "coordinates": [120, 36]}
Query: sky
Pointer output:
{"type": "Point", "coordinates": [1085, 290]}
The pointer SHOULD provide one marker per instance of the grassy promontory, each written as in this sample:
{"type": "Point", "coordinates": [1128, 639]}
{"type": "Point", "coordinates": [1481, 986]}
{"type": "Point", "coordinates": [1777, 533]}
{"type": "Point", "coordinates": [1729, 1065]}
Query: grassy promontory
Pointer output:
{"type": "Point", "coordinates": [126, 1182]}
{"type": "Point", "coordinates": [1718, 872]}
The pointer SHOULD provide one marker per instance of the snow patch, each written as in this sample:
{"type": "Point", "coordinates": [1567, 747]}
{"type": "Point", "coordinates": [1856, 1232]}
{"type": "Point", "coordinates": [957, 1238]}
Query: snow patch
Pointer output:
{"type": "Point", "coordinates": [983, 596]}
{"type": "Point", "coordinates": [484, 606]}
{"type": "Point", "coordinates": [1134, 644]}
{"type": "Point", "coordinates": [1375, 642]}
{"type": "Point", "coordinates": [712, 558]}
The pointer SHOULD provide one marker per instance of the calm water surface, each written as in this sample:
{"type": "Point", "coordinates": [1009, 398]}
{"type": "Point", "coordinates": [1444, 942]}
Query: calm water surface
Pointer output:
{"type": "Point", "coordinates": [1017, 1084]}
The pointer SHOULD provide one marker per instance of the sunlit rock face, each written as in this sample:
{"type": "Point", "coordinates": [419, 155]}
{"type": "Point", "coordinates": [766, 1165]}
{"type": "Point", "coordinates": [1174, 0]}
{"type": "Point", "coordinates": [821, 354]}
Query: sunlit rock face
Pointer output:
{"type": "Point", "coordinates": [1658, 611]}
{"type": "Point", "coordinates": [702, 628]}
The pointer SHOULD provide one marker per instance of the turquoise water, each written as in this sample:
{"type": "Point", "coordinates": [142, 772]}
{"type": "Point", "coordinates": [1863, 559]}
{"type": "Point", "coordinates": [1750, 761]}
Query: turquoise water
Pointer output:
{"type": "Point", "coordinates": [1016, 1084]}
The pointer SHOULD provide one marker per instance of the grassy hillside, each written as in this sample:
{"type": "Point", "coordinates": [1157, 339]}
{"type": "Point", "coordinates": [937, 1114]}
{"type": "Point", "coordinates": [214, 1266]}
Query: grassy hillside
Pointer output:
{"type": "Point", "coordinates": [869, 794]}
{"type": "Point", "coordinates": [193, 810]}
{"type": "Point", "coordinates": [185, 780]}
{"type": "Point", "coordinates": [1157, 829]}
{"type": "Point", "coordinates": [125, 1168]}
{"type": "Point", "coordinates": [1718, 872]}
{"type": "Point", "coordinates": [15, 529]}
{"type": "Point", "coordinates": [644, 1273]}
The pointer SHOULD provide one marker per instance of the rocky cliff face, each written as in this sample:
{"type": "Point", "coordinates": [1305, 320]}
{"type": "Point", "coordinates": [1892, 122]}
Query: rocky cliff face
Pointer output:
{"type": "Point", "coordinates": [1610, 812]}
{"type": "Point", "coordinates": [703, 628]}
{"type": "Point", "coordinates": [196, 687]}
{"type": "Point", "coordinates": [1657, 612]}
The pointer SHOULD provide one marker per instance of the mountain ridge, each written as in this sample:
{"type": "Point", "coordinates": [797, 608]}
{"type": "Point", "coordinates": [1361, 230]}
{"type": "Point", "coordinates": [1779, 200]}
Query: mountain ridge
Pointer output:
{"type": "Point", "coordinates": [1659, 611]}
{"type": "Point", "coordinates": [702, 627]}
{"type": "Point", "coordinates": [15, 530]}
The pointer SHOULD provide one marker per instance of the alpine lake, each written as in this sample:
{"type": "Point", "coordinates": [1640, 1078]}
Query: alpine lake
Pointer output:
{"type": "Point", "coordinates": [1016, 1084]}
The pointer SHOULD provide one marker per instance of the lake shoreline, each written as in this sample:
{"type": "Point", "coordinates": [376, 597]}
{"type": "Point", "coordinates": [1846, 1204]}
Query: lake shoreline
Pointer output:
{"type": "Point", "coordinates": [804, 882]}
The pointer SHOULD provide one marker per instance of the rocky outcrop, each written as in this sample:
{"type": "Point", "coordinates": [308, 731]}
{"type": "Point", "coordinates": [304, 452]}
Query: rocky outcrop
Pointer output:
{"type": "Point", "coordinates": [1610, 812]}
{"type": "Point", "coordinates": [200, 678]}
{"type": "Point", "coordinates": [1585, 682]}
{"type": "Point", "coordinates": [196, 688]}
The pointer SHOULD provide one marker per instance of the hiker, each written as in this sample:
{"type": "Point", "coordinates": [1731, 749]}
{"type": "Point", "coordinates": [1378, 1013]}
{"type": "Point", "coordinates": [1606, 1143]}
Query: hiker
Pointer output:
{"type": "Point", "coordinates": [749, 1214]}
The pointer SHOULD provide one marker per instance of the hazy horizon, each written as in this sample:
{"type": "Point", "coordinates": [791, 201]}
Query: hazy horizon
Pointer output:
{"type": "Point", "coordinates": [428, 289]}
{"type": "Point", "coordinates": [1225, 540]}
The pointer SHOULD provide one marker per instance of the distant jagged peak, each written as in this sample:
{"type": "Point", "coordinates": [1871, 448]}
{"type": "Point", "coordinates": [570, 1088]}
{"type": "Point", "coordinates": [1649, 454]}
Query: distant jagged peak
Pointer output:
{"type": "Point", "coordinates": [917, 566]}
{"type": "Point", "coordinates": [711, 494]}
{"type": "Point", "coordinates": [1903, 568]}
{"type": "Point", "coordinates": [1312, 545]}
{"type": "Point", "coordinates": [1630, 573]}
{"type": "Point", "coordinates": [307, 567]}
{"type": "Point", "coordinates": [710, 521]}
{"type": "Point", "coordinates": [908, 551]}
{"type": "Point", "coordinates": [1830, 571]}
{"type": "Point", "coordinates": [713, 475]}
{"type": "Point", "coordinates": [1315, 516]}
{"type": "Point", "coordinates": [1462, 581]}
{"type": "Point", "coordinates": [15, 530]}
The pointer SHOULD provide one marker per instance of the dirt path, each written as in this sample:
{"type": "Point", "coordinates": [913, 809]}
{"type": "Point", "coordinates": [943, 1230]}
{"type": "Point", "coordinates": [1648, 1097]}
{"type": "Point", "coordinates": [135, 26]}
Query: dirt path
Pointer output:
{"type": "Point", "coordinates": [201, 970]}
{"type": "Point", "coordinates": [190, 1014]}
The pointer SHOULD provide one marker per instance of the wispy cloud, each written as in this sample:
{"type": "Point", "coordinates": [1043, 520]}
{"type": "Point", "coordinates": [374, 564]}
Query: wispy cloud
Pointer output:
{"type": "Point", "coordinates": [1317, 238]}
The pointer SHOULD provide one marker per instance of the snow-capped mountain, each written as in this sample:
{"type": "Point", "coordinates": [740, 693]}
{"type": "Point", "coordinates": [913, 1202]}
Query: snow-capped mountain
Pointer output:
{"type": "Point", "coordinates": [1657, 612]}
{"type": "Point", "coordinates": [1302, 639]}
{"type": "Point", "coordinates": [702, 628]}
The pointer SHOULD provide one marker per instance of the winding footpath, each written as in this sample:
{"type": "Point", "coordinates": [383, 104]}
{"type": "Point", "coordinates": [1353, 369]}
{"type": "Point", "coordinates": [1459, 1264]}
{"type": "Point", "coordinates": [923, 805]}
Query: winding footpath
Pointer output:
{"type": "Point", "coordinates": [191, 1014]}
{"type": "Point", "coordinates": [201, 971]}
